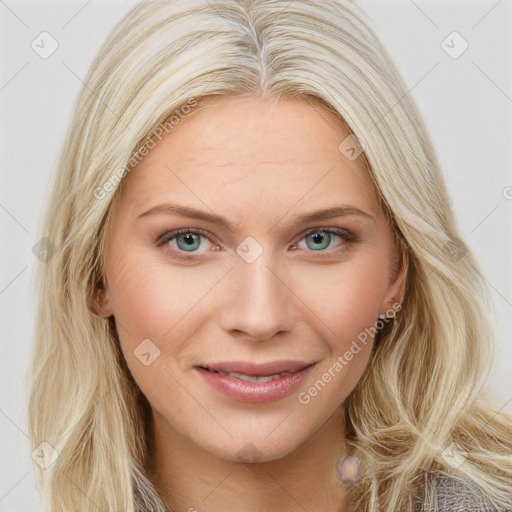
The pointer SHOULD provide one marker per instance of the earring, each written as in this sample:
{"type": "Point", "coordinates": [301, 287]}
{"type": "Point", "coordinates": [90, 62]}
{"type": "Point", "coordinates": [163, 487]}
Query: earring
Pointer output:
{"type": "Point", "coordinates": [387, 318]}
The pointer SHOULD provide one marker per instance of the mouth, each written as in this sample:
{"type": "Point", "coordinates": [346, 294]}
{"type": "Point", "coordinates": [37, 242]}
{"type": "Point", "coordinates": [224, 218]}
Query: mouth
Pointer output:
{"type": "Point", "coordinates": [247, 378]}
{"type": "Point", "coordinates": [251, 370]}
{"type": "Point", "coordinates": [255, 382]}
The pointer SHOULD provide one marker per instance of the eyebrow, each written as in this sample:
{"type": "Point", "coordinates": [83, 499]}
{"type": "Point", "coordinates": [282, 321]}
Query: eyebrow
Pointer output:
{"type": "Point", "coordinates": [340, 210]}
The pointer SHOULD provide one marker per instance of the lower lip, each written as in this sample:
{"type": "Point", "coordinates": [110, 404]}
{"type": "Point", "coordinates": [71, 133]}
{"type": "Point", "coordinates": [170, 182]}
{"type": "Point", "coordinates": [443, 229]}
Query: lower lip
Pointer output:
{"type": "Point", "coordinates": [255, 391]}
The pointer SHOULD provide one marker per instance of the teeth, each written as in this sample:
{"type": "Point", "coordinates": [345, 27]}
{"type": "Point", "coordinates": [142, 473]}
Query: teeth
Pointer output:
{"type": "Point", "coordinates": [253, 378]}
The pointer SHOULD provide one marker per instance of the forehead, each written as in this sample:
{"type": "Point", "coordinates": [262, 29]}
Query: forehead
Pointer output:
{"type": "Point", "coordinates": [249, 152]}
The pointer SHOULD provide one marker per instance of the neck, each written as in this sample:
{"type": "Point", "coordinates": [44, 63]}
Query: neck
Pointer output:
{"type": "Point", "coordinates": [191, 479]}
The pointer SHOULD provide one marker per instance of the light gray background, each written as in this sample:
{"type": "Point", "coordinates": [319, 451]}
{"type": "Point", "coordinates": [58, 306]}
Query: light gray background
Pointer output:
{"type": "Point", "coordinates": [467, 104]}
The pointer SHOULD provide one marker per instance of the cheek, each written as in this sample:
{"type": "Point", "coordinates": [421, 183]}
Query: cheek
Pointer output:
{"type": "Point", "coordinates": [149, 297]}
{"type": "Point", "coordinates": [347, 300]}
{"type": "Point", "coordinates": [347, 297]}
{"type": "Point", "coordinates": [152, 301]}
{"type": "Point", "coordinates": [161, 302]}
{"type": "Point", "coordinates": [140, 297]}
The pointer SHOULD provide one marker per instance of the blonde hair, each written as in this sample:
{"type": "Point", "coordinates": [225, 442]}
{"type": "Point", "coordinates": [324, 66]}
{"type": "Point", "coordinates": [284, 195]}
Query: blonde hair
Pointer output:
{"type": "Point", "coordinates": [423, 388]}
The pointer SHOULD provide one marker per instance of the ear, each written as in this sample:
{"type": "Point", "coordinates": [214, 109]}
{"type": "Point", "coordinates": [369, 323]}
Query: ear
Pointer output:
{"type": "Point", "coordinates": [100, 303]}
{"type": "Point", "coordinates": [396, 290]}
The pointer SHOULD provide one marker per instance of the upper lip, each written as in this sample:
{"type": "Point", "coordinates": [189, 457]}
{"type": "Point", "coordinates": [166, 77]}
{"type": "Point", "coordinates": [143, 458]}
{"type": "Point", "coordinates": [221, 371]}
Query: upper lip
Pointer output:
{"type": "Point", "coordinates": [257, 369]}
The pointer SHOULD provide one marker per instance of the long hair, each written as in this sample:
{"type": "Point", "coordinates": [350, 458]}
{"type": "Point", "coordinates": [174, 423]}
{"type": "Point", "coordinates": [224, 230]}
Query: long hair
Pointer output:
{"type": "Point", "coordinates": [422, 392]}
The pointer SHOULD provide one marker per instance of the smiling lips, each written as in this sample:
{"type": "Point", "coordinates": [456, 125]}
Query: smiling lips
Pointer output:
{"type": "Point", "coordinates": [245, 381]}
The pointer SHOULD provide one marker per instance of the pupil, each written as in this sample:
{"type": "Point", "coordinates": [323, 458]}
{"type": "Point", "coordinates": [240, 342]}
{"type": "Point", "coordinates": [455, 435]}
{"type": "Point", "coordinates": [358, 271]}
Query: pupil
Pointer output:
{"type": "Point", "coordinates": [319, 237]}
{"type": "Point", "coordinates": [187, 241]}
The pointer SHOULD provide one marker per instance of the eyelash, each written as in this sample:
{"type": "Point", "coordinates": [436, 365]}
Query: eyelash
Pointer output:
{"type": "Point", "coordinates": [346, 235]}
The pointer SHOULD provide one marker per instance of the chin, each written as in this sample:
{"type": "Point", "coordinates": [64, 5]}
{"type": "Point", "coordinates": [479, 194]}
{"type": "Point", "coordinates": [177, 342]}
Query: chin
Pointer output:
{"type": "Point", "coordinates": [249, 449]}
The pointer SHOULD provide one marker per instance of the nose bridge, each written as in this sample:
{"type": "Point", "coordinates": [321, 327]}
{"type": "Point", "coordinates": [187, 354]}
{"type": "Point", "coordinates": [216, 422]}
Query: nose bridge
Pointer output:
{"type": "Point", "coordinates": [260, 302]}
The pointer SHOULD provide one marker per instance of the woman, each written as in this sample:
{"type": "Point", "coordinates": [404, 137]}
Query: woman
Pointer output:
{"type": "Point", "coordinates": [260, 299]}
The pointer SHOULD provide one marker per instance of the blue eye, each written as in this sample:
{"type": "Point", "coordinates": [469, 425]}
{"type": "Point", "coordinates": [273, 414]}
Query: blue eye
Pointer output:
{"type": "Point", "coordinates": [320, 239]}
{"type": "Point", "coordinates": [189, 240]}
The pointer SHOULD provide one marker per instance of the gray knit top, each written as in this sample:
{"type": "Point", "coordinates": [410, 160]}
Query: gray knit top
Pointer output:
{"type": "Point", "coordinates": [451, 494]}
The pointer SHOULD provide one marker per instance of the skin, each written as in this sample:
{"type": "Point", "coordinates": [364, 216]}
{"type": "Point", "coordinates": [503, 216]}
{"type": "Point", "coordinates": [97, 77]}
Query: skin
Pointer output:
{"type": "Point", "coordinates": [260, 166]}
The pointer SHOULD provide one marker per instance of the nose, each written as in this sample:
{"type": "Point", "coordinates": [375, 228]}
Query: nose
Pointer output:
{"type": "Point", "coordinates": [259, 304]}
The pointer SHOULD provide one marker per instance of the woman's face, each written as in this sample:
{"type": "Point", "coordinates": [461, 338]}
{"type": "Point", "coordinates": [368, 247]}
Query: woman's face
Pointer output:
{"type": "Point", "coordinates": [260, 286]}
